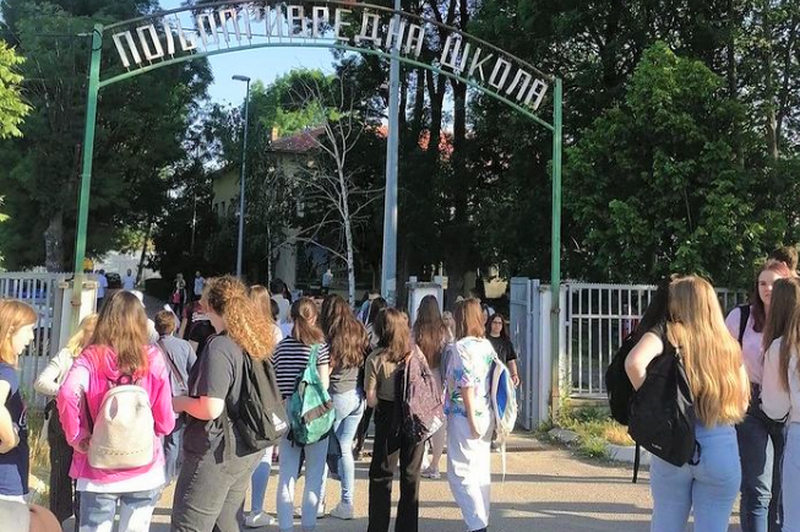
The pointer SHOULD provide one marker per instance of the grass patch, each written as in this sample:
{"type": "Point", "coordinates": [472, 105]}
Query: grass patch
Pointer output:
{"type": "Point", "coordinates": [594, 427]}
{"type": "Point", "coordinates": [40, 459]}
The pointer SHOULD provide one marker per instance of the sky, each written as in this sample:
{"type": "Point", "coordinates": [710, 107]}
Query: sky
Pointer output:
{"type": "Point", "coordinates": [263, 64]}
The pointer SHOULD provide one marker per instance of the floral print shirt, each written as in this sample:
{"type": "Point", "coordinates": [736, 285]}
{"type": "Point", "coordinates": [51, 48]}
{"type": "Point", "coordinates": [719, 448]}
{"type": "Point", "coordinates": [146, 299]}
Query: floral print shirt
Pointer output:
{"type": "Point", "coordinates": [468, 365]}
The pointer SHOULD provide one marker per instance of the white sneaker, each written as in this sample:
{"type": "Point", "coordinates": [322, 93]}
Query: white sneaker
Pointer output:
{"type": "Point", "coordinates": [343, 511]}
{"type": "Point", "coordinates": [298, 512]}
{"type": "Point", "coordinates": [259, 520]}
{"type": "Point", "coordinates": [432, 474]}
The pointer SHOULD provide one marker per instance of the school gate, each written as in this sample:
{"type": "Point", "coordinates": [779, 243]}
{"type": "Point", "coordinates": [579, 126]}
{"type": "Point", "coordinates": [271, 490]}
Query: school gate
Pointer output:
{"type": "Point", "coordinates": [143, 45]}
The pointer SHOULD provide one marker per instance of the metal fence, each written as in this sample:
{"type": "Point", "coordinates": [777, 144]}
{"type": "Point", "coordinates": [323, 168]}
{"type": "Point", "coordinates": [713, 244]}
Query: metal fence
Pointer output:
{"type": "Point", "coordinates": [45, 293]}
{"type": "Point", "coordinates": [597, 319]}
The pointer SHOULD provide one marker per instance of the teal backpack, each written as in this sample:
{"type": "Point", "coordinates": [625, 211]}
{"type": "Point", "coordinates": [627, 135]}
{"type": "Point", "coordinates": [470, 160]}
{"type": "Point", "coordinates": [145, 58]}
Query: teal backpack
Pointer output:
{"type": "Point", "coordinates": [311, 413]}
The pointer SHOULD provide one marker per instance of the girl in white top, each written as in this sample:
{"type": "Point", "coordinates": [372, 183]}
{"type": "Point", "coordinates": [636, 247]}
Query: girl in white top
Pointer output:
{"type": "Point", "coordinates": [780, 393]}
{"type": "Point", "coordinates": [48, 383]}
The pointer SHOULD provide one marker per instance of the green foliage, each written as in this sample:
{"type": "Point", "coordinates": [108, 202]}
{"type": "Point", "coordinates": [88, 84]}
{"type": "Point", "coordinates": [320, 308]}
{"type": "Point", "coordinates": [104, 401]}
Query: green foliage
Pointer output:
{"type": "Point", "coordinates": [644, 132]}
{"type": "Point", "coordinates": [12, 107]}
{"type": "Point", "coordinates": [654, 180]}
{"type": "Point", "coordinates": [140, 132]}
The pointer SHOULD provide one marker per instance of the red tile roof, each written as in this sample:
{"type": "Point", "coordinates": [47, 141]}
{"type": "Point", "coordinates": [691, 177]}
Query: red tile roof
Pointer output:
{"type": "Point", "coordinates": [303, 142]}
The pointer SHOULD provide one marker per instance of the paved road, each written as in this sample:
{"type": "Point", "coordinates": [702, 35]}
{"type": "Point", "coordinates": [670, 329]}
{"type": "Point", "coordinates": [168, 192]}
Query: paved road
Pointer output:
{"type": "Point", "coordinates": [546, 490]}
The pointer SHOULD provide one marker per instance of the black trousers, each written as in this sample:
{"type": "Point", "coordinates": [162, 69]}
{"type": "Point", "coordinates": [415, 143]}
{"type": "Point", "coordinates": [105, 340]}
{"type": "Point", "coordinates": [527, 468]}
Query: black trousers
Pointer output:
{"type": "Point", "coordinates": [363, 428]}
{"type": "Point", "coordinates": [61, 493]}
{"type": "Point", "coordinates": [389, 449]}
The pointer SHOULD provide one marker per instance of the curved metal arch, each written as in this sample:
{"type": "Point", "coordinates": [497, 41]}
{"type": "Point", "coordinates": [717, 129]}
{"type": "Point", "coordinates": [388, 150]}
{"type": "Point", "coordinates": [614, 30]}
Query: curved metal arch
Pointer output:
{"type": "Point", "coordinates": [345, 4]}
{"type": "Point", "coordinates": [370, 51]}
{"type": "Point", "coordinates": [95, 84]}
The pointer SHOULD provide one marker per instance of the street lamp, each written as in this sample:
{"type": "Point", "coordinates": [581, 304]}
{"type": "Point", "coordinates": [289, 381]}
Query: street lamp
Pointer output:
{"type": "Point", "coordinates": [241, 180]}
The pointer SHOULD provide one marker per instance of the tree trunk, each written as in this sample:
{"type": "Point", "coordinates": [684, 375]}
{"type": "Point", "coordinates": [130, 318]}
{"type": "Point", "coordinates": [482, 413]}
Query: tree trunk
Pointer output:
{"type": "Point", "coordinates": [54, 243]}
{"type": "Point", "coordinates": [460, 239]}
{"type": "Point", "coordinates": [140, 268]}
{"type": "Point", "coordinates": [730, 50]}
{"type": "Point", "coordinates": [348, 235]}
{"type": "Point", "coordinates": [769, 83]}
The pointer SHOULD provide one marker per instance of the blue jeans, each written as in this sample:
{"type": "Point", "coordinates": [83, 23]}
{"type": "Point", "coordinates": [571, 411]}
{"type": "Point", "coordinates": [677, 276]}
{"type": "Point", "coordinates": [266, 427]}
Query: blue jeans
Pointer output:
{"type": "Point", "coordinates": [173, 451]}
{"type": "Point", "coordinates": [135, 510]}
{"type": "Point", "coordinates": [791, 480]}
{"type": "Point", "coordinates": [349, 407]}
{"type": "Point", "coordinates": [259, 482]}
{"type": "Point", "coordinates": [289, 460]}
{"type": "Point", "coordinates": [761, 442]}
{"type": "Point", "coordinates": [708, 489]}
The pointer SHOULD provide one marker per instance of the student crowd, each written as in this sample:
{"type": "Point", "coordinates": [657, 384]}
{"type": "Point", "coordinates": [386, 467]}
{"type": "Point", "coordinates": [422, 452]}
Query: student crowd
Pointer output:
{"type": "Point", "coordinates": [134, 411]}
{"type": "Point", "coordinates": [186, 398]}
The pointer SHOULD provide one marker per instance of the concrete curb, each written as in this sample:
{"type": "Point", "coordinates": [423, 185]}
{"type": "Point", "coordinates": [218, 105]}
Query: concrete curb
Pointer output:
{"type": "Point", "coordinates": [619, 453]}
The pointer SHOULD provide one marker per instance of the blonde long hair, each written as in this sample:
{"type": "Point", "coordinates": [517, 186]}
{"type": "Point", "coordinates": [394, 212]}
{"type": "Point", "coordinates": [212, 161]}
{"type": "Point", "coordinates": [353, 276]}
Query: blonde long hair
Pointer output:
{"type": "Point", "coordinates": [80, 339]}
{"type": "Point", "coordinates": [263, 300]}
{"type": "Point", "coordinates": [244, 322]}
{"type": "Point", "coordinates": [711, 355]}
{"type": "Point", "coordinates": [14, 315]}
{"type": "Point", "coordinates": [783, 321]}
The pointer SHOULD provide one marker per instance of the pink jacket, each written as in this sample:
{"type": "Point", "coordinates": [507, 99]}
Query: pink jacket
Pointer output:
{"type": "Point", "coordinates": [89, 376]}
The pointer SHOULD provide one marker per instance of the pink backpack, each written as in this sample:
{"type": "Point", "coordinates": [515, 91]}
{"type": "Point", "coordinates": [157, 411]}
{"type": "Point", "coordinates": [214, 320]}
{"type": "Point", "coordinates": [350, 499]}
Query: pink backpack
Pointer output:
{"type": "Point", "coordinates": [419, 395]}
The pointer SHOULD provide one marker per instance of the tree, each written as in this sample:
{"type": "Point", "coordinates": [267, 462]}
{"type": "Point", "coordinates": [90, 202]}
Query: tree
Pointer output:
{"type": "Point", "coordinates": [12, 107]}
{"type": "Point", "coordinates": [140, 129]}
{"type": "Point", "coordinates": [333, 186]}
{"type": "Point", "coordinates": [656, 186]}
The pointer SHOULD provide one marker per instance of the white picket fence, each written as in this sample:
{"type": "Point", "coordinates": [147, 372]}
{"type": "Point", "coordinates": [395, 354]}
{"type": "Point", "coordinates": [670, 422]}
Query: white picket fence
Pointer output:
{"type": "Point", "coordinates": [46, 293]}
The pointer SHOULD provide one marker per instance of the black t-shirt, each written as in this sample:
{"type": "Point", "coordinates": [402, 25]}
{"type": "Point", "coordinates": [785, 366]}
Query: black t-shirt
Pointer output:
{"type": "Point", "coordinates": [504, 348]}
{"type": "Point", "coordinates": [217, 374]}
{"type": "Point", "coordinates": [14, 465]}
{"type": "Point", "coordinates": [200, 332]}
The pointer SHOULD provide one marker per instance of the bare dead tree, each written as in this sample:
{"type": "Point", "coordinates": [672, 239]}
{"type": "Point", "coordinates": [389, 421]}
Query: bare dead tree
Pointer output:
{"type": "Point", "coordinates": [330, 186]}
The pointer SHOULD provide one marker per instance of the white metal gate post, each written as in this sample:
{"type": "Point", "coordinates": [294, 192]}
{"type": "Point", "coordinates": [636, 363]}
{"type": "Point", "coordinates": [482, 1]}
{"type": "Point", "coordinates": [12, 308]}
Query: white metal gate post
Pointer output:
{"type": "Point", "coordinates": [521, 333]}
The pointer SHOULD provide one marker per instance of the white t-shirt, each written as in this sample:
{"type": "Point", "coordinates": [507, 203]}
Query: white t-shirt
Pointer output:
{"type": "Point", "coordinates": [128, 282]}
{"type": "Point", "coordinates": [153, 479]}
{"type": "Point", "coordinates": [102, 284]}
{"type": "Point", "coordinates": [199, 283]}
{"type": "Point", "coordinates": [284, 307]}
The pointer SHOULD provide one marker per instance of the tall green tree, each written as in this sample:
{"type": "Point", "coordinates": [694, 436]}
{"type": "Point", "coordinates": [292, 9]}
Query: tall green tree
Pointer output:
{"type": "Point", "coordinates": [140, 130]}
{"type": "Point", "coordinates": [655, 183]}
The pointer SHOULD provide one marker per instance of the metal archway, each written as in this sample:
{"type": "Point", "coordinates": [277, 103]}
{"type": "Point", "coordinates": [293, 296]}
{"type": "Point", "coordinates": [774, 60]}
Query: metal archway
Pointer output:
{"type": "Point", "coordinates": [147, 43]}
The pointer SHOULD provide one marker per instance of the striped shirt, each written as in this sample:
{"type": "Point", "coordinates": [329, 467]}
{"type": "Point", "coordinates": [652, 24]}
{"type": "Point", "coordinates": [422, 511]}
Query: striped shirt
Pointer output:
{"type": "Point", "coordinates": [290, 359]}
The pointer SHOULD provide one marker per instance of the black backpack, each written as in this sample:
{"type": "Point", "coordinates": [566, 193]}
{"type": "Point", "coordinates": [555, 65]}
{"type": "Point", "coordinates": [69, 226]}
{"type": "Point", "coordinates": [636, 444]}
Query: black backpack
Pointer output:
{"type": "Point", "coordinates": [662, 416]}
{"type": "Point", "coordinates": [261, 420]}
{"type": "Point", "coordinates": [618, 385]}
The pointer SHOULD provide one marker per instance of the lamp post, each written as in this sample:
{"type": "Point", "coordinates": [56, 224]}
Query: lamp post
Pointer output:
{"type": "Point", "coordinates": [241, 179]}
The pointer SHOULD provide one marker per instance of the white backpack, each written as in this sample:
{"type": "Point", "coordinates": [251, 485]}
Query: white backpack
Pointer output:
{"type": "Point", "coordinates": [123, 433]}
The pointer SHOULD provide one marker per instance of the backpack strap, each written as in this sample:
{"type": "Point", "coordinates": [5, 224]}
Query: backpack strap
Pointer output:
{"type": "Point", "coordinates": [173, 368]}
{"type": "Point", "coordinates": [228, 435]}
{"type": "Point", "coordinates": [744, 316]}
{"type": "Point", "coordinates": [312, 356]}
